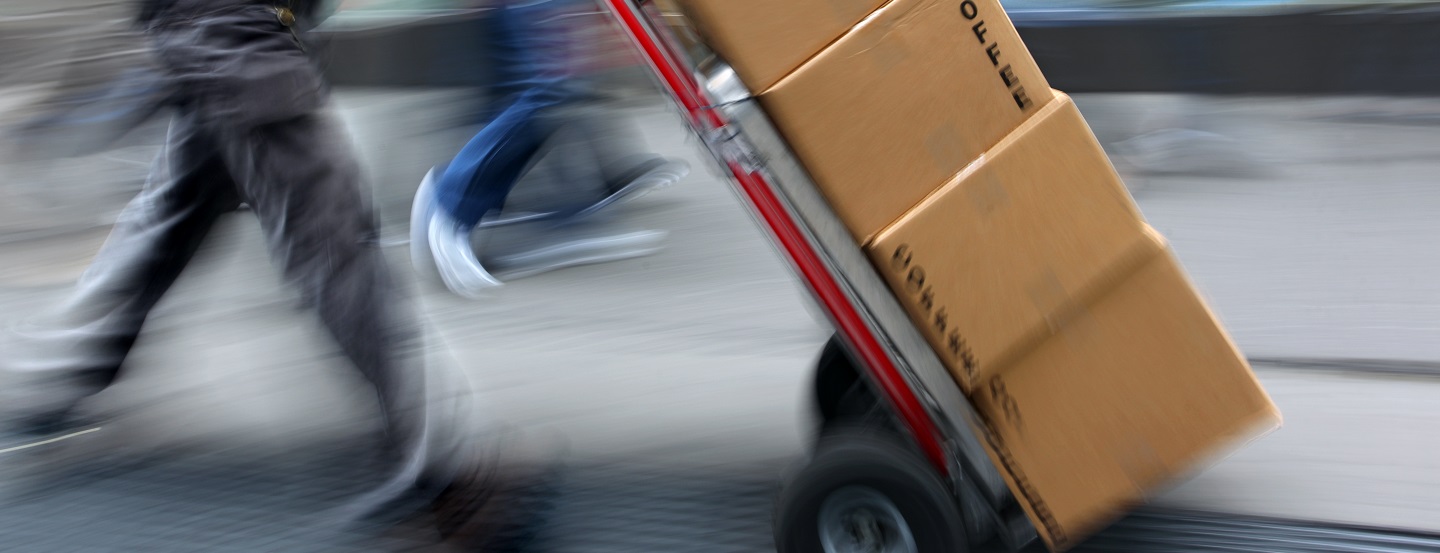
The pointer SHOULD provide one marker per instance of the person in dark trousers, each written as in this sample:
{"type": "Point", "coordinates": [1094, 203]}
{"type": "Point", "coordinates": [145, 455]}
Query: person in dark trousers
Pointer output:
{"type": "Point", "coordinates": [250, 125]}
{"type": "Point", "coordinates": [541, 101]}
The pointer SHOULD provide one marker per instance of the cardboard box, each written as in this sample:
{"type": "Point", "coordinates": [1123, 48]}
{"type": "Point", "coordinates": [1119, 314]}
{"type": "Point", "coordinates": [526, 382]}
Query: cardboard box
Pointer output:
{"type": "Point", "coordinates": [995, 260]}
{"type": "Point", "coordinates": [764, 40]}
{"type": "Point", "coordinates": [1137, 390]}
{"type": "Point", "coordinates": [901, 103]}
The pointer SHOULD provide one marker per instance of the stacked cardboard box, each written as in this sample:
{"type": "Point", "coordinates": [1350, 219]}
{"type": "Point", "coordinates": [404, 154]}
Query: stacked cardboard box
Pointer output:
{"type": "Point", "coordinates": [985, 201]}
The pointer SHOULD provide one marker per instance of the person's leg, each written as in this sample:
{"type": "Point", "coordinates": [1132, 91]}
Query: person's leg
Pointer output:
{"type": "Point", "coordinates": [598, 161]}
{"type": "Point", "coordinates": [574, 237]}
{"type": "Point", "coordinates": [616, 143]}
{"type": "Point", "coordinates": [529, 73]}
{"type": "Point", "coordinates": [251, 84]}
{"type": "Point", "coordinates": [301, 179]}
{"type": "Point", "coordinates": [576, 176]}
{"type": "Point", "coordinates": [59, 362]}
{"type": "Point", "coordinates": [483, 173]}
{"type": "Point", "coordinates": [621, 156]}
{"type": "Point", "coordinates": [475, 184]}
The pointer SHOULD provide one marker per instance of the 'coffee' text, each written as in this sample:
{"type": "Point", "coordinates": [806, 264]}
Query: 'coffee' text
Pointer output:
{"type": "Point", "coordinates": [971, 11]}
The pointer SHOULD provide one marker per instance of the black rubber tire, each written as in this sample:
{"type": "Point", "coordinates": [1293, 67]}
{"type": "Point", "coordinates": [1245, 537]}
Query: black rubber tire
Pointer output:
{"type": "Point", "coordinates": [849, 456]}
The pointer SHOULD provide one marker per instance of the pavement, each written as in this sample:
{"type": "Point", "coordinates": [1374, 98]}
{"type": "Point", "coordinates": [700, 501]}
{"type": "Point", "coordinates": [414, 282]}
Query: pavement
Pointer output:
{"type": "Point", "coordinates": [1313, 247]}
{"type": "Point", "coordinates": [1317, 244]}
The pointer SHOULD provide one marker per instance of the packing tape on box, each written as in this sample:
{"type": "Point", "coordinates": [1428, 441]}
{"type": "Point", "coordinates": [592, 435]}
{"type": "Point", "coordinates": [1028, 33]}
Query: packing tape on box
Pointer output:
{"type": "Point", "coordinates": [882, 51]}
{"type": "Point", "coordinates": [987, 195]}
{"type": "Point", "coordinates": [1051, 298]}
{"type": "Point", "coordinates": [887, 49]}
{"type": "Point", "coordinates": [947, 146]}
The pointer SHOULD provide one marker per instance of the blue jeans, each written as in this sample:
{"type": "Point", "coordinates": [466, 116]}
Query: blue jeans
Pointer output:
{"type": "Point", "coordinates": [531, 80]}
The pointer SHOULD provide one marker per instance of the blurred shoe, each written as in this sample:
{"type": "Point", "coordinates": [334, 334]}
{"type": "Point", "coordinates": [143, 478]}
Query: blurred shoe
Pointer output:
{"type": "Point", "coordinates": [455, 259]}
{"type": "Point", "coordinates": [421, 210]}
{"type": "Point", "coordinates": [651, 174]}
{"type": "Point", "coordinates": [579, 251]}
{"type": "Point", "coordinates": [441, 244]}
{"type": "Point", "coordinates": [647, 176]}
{"type": "Point", "coordinates": [39, 372]}
{"type": "Point", "coordinates": [36, 452]}
{"type": "Point", "coordinates": [499, 505]}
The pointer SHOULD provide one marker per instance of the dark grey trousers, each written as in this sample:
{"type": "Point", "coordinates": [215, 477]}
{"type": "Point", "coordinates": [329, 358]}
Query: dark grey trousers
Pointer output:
{"type": "Point", "coordinates": [251, 126]}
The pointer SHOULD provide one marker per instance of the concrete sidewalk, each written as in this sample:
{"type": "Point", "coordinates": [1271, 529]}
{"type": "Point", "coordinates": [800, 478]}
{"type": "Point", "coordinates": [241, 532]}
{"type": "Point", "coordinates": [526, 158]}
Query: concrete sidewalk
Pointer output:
{"type": "Point", "coordinates": [702, 354]}
{"type": "Point", "coordinates": [1355, 449]}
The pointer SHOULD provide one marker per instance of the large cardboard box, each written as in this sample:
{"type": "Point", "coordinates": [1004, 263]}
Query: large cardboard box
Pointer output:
{"type": "Point", "coordinates": [764, 40]}
{"type": "Point", "coordinates": [996, 259]}
{"type": "Point", "coordinates": [901, 103]}
{"type": "Point", "coordinates": [1138, 389]}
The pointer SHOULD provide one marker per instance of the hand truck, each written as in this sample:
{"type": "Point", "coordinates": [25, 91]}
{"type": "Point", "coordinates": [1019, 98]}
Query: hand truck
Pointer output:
{"type": "Point", "coordinates": [898, 463]}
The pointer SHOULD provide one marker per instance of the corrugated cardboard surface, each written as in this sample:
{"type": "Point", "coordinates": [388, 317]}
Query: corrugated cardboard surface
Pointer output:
{"type": "Point", "coordinates": [1134, 391]}
{"type": "Point", "coordinates": [902, 102]}
{"type": "Point", "coordinates": [764, 40]}
{"type": "Point", "coordinates": [995, 259]}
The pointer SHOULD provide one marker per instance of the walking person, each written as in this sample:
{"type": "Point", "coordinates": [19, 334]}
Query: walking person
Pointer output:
{"type": "Point", "coordinates": [542, 107]}
{"type": "Point", "coordinates": [251, 125]}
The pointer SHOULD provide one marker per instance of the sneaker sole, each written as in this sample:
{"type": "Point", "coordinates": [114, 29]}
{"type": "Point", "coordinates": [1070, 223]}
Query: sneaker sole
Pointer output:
{"type": "Point", "coordinates": [662, 176]}
{"type": "Point", "coordinates": [577, 253]}
{"type": "Point", "coordinates": [420, 211]}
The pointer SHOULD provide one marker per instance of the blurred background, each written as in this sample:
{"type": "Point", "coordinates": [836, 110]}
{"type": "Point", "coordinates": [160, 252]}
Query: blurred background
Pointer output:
{"type": "Point", "coordinates": [1289, 149]}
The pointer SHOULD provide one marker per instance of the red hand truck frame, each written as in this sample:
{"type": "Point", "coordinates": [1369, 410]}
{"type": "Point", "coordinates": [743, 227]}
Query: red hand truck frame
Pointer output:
{"type": "Point", "coordinates": [876, 348]}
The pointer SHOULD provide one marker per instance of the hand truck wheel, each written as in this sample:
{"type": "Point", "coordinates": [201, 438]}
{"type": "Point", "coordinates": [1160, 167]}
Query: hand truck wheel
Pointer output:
{"type": "Point", "coordinates": [866, 491]}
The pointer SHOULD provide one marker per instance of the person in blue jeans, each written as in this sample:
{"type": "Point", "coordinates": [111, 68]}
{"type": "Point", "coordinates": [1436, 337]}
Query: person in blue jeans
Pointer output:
{"type": "Point", "coordinates": [535, 86]}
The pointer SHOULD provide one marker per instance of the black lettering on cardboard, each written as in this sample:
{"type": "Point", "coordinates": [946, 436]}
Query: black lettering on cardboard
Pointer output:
{"type": "Point", "coordinates": [980, 30]}
{"type": "Point", "coordinates": [1007, 74]}
{"type": "Point", "coordinates": [960, 349]}
{"type": "Point", "coordinates": [900, 260]}
{"type": "Point", "coordinates": [1027, 489]}
{"type": "Point", "coordinates": [969, 9]}
{"type": "Point", "coordinates": [1021, 99]}
{"type": "Point", "coordinates": [994, 50]}
{"type": "Point", "coordinates": [915, 283]}
{"type": "Point", "coordinates": [1008, 404]}
{"type": "Point", "coordinates": [915, 279]}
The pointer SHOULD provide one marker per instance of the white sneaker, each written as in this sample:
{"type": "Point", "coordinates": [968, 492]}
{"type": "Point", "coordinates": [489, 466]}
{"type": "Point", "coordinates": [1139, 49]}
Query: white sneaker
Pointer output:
{"type": "Point", "coordinates": [455, 258]}
{"type": "Point", "coordinates": [574, 252]}
{"type": "Point", "coordinates": [421, 211]}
